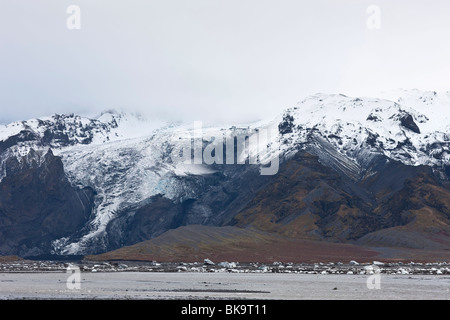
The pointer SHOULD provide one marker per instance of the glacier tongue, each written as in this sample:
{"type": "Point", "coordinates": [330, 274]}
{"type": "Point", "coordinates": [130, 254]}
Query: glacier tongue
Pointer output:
{"type": "Point", "coordinates": [123, 173]}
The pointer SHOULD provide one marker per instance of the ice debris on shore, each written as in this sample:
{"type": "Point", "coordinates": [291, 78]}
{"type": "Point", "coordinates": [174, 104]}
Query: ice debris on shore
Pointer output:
{"type": "Point", "coordinates": [398, 268]}
{"type": "Point", "coordinates": [208, 262]}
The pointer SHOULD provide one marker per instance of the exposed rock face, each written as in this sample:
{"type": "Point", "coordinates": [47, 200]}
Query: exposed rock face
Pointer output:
{"type": "Point", "coordinates": [308, 200]}
{"type": "Point", "coordinates": [145, 222]}
{"type": "Point", "coordinates": [407, 121]}
{"type": "Point", "coordinates": [38, 204]}
{"type": "Point", "coordinates": [418, 216]}
{"type": "Point", "coordinates": [22, 136]}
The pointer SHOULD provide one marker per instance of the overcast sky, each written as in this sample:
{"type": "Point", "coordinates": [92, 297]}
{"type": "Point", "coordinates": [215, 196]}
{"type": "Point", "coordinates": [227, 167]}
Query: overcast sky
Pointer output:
{"type": "Point", "coordinates": [213, 60]}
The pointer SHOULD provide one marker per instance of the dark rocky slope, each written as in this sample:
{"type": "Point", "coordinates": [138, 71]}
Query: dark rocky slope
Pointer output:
{"type": "Point", "coordinates": [397, 205]}
{"type": "Point", "coordinates": [38, 205]}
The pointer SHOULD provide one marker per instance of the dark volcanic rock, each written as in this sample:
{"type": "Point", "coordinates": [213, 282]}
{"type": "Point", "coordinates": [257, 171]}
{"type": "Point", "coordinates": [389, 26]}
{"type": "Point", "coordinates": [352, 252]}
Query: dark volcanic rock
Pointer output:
{"type": "Point", "coordinates": [146, 222]}
{"type": "Point", "coordinates": [417, 216]}
{"type": "Point", "coordinates": [38, 204]}
{"type": "Point", "coordinates": [407, 121]}
{"type": "Point", "coordinates": [22, 136]}
{"type": "Point", "coordinates": [309, 200]}
{"type": "Point", "coordinates": [286, 126]}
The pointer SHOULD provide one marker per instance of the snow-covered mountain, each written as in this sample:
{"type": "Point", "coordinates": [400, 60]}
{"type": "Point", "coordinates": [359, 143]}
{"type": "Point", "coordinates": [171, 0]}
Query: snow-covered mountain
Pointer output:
{"type": "Point", "coordinates": [128, 159]}
{"type": "Point", "coordinates": [414, 128]}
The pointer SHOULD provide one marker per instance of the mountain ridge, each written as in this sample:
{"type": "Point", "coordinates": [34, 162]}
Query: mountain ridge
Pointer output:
{"type": "Point", "coordinates": [362, 152]}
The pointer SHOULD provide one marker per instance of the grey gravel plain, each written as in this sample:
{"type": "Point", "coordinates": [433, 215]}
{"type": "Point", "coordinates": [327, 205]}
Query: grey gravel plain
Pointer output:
{"type": "Point", "coordinates": [179, 285]}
